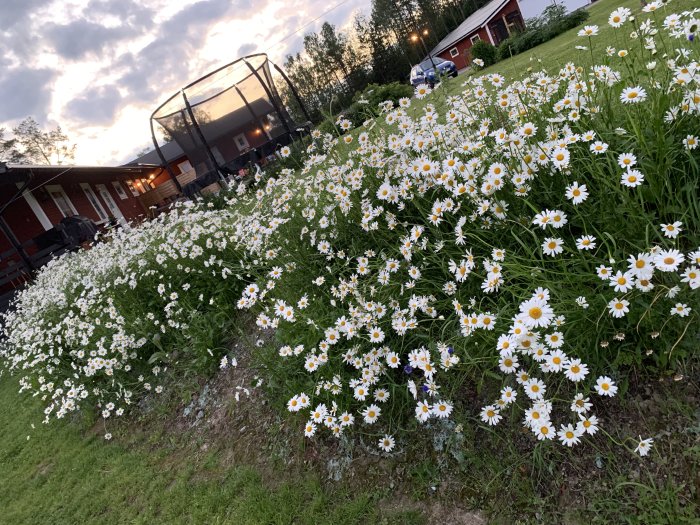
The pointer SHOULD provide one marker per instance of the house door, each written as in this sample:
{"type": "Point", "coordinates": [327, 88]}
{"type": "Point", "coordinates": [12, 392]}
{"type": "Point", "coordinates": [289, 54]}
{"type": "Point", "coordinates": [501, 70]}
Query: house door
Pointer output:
{"type": "Point", "coordinates": [111, 205]}
{"type": "Point", "coordinates": [499, 31]}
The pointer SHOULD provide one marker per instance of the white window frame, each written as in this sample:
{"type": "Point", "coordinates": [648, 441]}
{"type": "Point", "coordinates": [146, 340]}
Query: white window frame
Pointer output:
{"type": "Point", "coordinates": [120, 190]}
{"type": "Point", "coordinates": [57, 188]}
{"type": "Point", "coordinates": [116, 212]}
{"type": "Point", "coordinates": [454, 52]}
{"type": "Point", "coordinates": [475, 38]}
{"type": "Point", "coordinates": [132, 188]}
{"type": "Point", "coordinates": [36, 208]}
{"type": "Point", "coordinates": [241, 141]}
{"type": "Point", "coordinates": [96, 204]}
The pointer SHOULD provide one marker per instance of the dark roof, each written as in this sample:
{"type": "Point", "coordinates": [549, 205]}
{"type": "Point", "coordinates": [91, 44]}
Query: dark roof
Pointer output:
{"type": "Point", "coordinates": [476, 20]}
{"type": "Point", "coordinates": [41, 169]}
{"type": "Point", "coordinates": [19, 172]}
{"type": "Point", "coordinates": [7, 176]}
{"type": "Point", "coordinates": [171, 151]}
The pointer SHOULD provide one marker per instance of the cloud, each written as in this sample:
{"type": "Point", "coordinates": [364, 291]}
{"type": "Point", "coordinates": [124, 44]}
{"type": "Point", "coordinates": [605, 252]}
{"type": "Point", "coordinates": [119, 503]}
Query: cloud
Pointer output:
{"type": "Point", "coordinates": [128, 11]}
{"type": "Point", "coordinates": [163, 64]}
{"type": "Point", "coordinates": [25, 92]}
{"type": "Point", "coordinates": [246, 49]}
{"type": "Point", "coordinates": [96, 106]}
{"type": "Point", "coordinates": [14, 13]}
{"type": "Point", "coordinates": [82, 37]}
{"type": "Point", "coordinates": [135, 55]}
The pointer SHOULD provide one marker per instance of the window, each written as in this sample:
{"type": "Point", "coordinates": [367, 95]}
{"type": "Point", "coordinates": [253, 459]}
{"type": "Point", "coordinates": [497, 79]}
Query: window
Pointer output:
{"type": "Point", "coordinates": [428, 64]}
{"type": "Point", "coordinates": [454, 52]}
{"type": "Point", "coordinates": [218, 156]}
{"type": "Point", "coordinates": [475, 39]}
{"type": "Point", "coordinates": [132, 188]}
{"type": "Point", "coordinates": [120, 190]}
{"type": "Point", "coordinates": [185, 166]}
{"type": "Point", "coordinates": [62, 201]}
{"type": "Point", "coordinates": [93, 200]}
{"type": "Point", "coordinates": [241, 141]}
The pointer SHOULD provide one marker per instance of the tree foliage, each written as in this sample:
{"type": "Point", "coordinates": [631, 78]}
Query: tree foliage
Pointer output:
{"type": "Point", "coordinates": [32, 145]}
{"type": "Point", "coordinates": [335, 65]}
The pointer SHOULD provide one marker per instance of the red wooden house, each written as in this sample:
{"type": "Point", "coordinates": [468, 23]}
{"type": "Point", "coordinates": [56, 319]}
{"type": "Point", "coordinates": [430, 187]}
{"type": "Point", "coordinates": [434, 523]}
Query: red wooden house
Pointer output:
{"type": "Point", "coordinates": [493, 23]}
{"type": "Point", "coordinates": [36, 203]}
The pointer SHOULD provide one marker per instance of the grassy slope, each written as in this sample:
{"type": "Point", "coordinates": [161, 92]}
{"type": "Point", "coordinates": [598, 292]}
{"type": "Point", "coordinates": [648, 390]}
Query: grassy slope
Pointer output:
{"type": "Point", "coordinates": [64, 474]}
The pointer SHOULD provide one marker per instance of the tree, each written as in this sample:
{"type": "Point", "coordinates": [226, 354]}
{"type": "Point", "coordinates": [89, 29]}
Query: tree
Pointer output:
{"type": "Point", "coordinates": [9, 151]}
{"type": "Point", "coordinates": [42, 147]}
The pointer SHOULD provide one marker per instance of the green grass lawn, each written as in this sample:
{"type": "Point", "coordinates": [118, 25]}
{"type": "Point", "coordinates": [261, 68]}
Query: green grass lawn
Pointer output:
{"type": "Point", "coordinates": [554, 54]}
{"type": "Point", "coordinates": [66, 474]}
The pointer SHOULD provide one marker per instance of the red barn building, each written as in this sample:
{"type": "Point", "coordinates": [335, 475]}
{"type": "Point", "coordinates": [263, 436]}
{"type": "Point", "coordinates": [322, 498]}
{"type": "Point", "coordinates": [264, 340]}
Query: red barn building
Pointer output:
{"type": "Point", "coordinates": [493, 23]}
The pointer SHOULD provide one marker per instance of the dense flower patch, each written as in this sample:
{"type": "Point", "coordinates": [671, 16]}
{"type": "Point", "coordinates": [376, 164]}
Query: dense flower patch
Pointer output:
{"type": "Point", "coordinates": [100, 326]}
{"type": "Point", "coordinates": [533, 237]}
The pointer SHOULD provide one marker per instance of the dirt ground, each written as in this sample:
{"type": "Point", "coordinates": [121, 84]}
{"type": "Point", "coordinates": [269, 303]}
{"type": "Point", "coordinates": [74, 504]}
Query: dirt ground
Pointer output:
{"type": "Point", "coordinates": [230, 414]}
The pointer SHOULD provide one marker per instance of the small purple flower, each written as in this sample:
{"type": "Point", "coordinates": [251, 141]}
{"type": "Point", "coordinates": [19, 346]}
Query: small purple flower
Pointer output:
{"type": "Point", "coordinates": [691, 37]}
{"type": "Point", "coordinates": [425, 388]}
{"type": "Point", "coordinates": [408, 369]}
{"type": "Point", "coordinates": [450, 350]}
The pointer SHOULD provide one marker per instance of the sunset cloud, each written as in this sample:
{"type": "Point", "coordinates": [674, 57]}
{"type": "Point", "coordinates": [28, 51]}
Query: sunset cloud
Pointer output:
{"type": "Point", "coordinates": [100, 67]}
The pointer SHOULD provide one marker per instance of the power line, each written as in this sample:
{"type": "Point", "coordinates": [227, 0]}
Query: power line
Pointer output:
{"type": "Point", "coordinates": [290, 35]}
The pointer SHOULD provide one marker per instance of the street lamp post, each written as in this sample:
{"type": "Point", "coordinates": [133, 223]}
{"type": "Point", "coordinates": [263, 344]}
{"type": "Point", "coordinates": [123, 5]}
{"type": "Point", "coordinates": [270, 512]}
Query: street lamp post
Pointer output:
{"type": "Point", "coordinates": [419, 36]}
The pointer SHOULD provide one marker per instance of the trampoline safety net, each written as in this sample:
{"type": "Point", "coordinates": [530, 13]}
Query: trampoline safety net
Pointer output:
{"type": "Point", "coordinates": [228, 118]}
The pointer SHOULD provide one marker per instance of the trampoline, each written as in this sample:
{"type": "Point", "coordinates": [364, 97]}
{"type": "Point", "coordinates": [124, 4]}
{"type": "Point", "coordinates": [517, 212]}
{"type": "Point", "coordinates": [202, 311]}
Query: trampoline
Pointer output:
{"type": "Point", "coordinates": [228, 119]}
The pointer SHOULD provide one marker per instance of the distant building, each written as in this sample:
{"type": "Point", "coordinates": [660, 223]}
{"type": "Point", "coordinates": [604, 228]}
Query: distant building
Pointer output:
{"type": "Point", "coordinates": [493, 23]}
{"type": "Point", "coordinates": [162, 189]}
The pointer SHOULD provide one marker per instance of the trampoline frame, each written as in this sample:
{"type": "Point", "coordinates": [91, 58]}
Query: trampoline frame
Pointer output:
{"type": "Point", "coordinates": [194, 122]}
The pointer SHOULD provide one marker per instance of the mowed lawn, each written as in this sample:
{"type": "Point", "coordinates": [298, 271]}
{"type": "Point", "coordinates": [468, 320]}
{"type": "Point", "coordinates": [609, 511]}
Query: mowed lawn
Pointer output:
{"type": "Point", "coordinates": [65, 474]}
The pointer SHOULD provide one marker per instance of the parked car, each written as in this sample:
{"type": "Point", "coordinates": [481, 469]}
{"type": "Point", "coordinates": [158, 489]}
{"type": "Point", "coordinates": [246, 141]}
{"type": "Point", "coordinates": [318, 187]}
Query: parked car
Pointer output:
{"type": "Point", "coordinates": [424, 72]}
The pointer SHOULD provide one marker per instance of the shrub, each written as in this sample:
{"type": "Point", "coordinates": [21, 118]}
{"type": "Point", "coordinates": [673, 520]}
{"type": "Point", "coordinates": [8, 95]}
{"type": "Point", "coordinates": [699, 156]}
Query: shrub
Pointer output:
{"type": "Point", "coordinates": [484, 51]}
{"type": "Point", "coordinates": [327, 125]}
{"type": "Point", "coordinates": [539, 31]}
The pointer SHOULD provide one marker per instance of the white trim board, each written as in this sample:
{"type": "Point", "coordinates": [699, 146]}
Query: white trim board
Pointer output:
{"type": "Point", "coordinates": [36, 208]}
